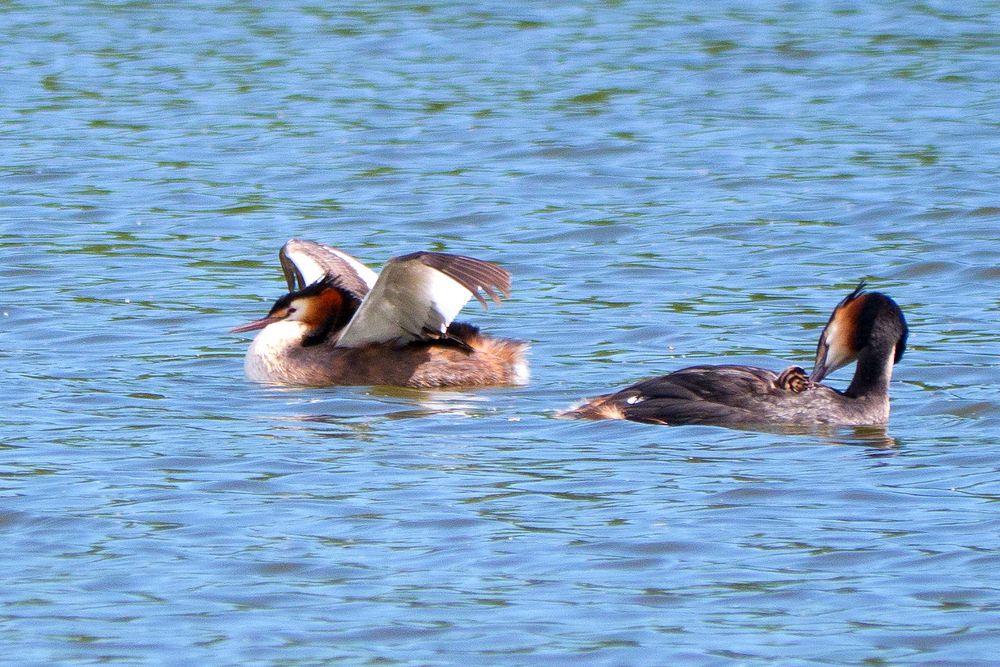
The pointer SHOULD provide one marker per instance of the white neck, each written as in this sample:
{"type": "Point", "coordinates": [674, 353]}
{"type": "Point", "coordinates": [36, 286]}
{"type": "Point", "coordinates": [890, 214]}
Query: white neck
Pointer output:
{"type": "Point", "coordinates": [269, 349]}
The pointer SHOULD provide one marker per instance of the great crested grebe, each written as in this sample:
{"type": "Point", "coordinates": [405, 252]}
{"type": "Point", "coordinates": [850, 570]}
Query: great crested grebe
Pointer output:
{"type": "Point", "coordinates": [866, 326]}
{"type": "Point", "coordinates": [341, 323]}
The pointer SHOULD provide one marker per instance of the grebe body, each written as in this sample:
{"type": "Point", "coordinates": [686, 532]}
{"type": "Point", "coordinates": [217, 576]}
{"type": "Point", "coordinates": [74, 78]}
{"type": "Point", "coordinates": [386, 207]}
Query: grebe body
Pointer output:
{"type": "Point", "coordinates": [343, 324]}
{"type": "Point", "coordinates": [865, 326]}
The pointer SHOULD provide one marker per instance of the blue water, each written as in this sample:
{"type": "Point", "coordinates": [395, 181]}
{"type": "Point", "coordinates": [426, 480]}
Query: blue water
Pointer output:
{"type": "Point", "coordinates": [669, 183]}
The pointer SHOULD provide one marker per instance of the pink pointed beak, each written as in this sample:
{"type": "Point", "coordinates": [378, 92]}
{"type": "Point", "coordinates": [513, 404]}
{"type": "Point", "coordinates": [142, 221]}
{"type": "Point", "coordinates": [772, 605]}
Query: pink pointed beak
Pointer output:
{"type": "Point", "coordinates": [256, 324]}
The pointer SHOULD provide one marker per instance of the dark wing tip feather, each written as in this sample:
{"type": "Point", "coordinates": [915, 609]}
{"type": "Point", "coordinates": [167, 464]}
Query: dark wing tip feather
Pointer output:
{"type": "Point", "coordinates": [293, 276]}
{"type": "Point", "coordinates": [327, 260]}
{"type": "Point", "coordinates": [473, 274]}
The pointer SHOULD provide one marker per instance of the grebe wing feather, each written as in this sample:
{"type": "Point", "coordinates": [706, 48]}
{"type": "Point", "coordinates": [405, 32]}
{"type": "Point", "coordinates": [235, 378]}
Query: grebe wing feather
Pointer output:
{"type": "Point", "coordinates": [699, 394]}
{"type": "Point", "coordinates": [721, 383]}
{"type": "Point", "coordinates": [306, 262]}
{"type": "Point", "coordinates": [418, 295]}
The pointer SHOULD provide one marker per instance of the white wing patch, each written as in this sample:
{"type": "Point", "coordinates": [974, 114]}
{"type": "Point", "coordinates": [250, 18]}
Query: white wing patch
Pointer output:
{"type": "Point", "coordinates": [305, 262]}
{"type": "Point", "coordinates": [368, 276]}
{"type": "Point", "coordinates": [412, 300]}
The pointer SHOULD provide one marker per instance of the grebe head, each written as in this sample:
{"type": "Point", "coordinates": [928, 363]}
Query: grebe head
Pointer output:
{"type": "Point", "coordinates": [321, 307]}
{"type": "Point", "coordinates": [862, 322]}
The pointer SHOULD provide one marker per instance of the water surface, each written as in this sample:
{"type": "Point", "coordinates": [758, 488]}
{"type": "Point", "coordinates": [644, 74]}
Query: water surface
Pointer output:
{"type": "Point", "coordinates": [670, 183]}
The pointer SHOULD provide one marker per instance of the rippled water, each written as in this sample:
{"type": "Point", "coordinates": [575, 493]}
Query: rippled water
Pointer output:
{"type": "Point", "coordinates": [668, 182]}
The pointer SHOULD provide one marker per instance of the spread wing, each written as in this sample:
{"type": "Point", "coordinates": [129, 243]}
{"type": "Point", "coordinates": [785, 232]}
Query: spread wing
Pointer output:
{"type": "Point", "coordinates": [306, 262]}
{"type": "Point", "coordinates": [418, 295]}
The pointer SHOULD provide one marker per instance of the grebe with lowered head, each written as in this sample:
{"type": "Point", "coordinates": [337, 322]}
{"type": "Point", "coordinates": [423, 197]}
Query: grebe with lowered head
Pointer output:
{"type": "Point", "coordinates": [343, 324]}
{"type": "Point", "coordinates": [866, 326]}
